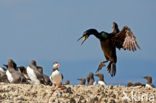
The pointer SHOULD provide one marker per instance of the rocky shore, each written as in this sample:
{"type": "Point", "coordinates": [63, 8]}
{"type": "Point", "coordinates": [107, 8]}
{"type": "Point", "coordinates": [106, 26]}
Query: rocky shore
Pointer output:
{"type": "Point", "coordinates": [26, 93]}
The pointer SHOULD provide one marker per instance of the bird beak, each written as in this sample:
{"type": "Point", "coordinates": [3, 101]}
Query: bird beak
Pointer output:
{"type": "Point", "coordinates": [58, 65]}
{"type": "Point", "coordinates": [84, 38]}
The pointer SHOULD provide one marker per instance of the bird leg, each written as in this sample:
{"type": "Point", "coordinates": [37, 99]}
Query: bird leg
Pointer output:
{"type": "Point", "coordinates": [61, 86]}
{"type": "Point", "coordinates": [102, 64]}
{"type": "Point", "coordinates": [58, 85]}
{"type": "Point", "coordinates": [54, 87]}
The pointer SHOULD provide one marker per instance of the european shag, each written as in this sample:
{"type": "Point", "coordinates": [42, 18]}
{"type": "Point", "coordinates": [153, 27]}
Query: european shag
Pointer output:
{"type": "Point", "coordinates": [110, 41]}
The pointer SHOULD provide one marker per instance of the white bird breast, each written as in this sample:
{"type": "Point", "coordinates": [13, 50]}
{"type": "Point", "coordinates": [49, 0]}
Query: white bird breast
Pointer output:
{"type": "Point", "coordinates": [32, 75]}
{"type": "Point", "coordinates": [56, 77]}
{"type": "Point", "coordinates": [148, 86]}
{"type": "Point", "coordinates": [102, 83]}
{"type": "Point", "coordinates": [9, 76]}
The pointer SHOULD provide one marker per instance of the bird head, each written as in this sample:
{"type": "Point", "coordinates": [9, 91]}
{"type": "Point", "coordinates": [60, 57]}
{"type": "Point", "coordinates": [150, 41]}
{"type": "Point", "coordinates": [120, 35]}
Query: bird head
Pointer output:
{"type": "Point", "coordinates": [91, 75]}
{"type": "Point", "coordinates": [129, 84]}
{"type": "Point", "coordinates": [67, 82]}
{"type": "Point", "coordinates": [33, 62]}
{"type": "Point", "coordinates": [56, 65]}
{"type": "Point", "coordinates": [10, 63]}
{"type": "Point", "coordinates": [83, 81]}
{"type": "Point", "coordinates": [148, 78]}
{"type": "Point", "coordinates": [86, 34]}
{"type": "Point", "coordinates": [100, 75]}
{"type": "Point", "coordinates": [40, 69]}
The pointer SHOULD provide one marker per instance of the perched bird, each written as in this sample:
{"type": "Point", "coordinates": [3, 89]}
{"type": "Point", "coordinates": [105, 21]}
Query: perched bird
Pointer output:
{"type": "Point", "coordinates": [83, 81]}
{"type": "Point", "coordinates": [23, 70]}
{"type": "Point", "coordinates": [13, 75]}
{"type": "Point", "coordinates": [138, 84]}
{"type": "Point", "coordinates": [101, 79]}
{"type": "Point", "coordinates": [149, 82]}
{"type": "Point", "coordinates": [3, 76]}
{"type": "Point", "coordinates": [67, 82]}
{"type": "Point", "coordinates": [90, 79]}
{"type": "Point", "coordinates": [47, 80]}
{"type": "Point", "coordinates": [56, 77]}
{"type": "Point", "coordinates": [110, 41]}
{"type": "Point", "coordinates": [130, 84]}
{"type": "Point", "coordinates": [33, 73]}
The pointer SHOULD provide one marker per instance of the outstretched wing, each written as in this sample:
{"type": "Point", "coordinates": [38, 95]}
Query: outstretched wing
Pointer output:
{"type": "Point", "coordinates": [115, 28]}
{"type": "Point", "coordinates": [125, 39]}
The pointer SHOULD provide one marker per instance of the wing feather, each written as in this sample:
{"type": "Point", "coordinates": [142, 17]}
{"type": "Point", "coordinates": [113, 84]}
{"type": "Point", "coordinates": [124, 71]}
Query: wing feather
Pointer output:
{"type": "Point", "coordinates": [126, 40]}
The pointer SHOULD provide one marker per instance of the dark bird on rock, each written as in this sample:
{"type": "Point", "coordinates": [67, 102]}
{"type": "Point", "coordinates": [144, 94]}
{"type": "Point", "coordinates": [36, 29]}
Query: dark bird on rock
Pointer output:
{"type": "Point", "coordinates": [149, 82]}
{"type": "Point", "coordinates": [67, 82]}
{"type": "Point", "coordinates": [138, 84]}
{"type": "Point", "coordinates": [130, 84]}
{"type": "Point", "coordinates": [13, 75]}
{"type": "Point", "coordinates": [33, 73]}
{"type": "Point", "coordinates": [101, 79]}
{"type": "Point", "coordinates": [90, 79]}
{"type": "Point", "coordinates": [14, 65]}
{"type": "Point", "coordinates": [23, 70]}
{"type": "Point", "coordinates": [3, 76]}
{"type": "Point", "coordinates": [47, 80]}
{"type": "Point", "coordinates": [110, 41]}
{"type": "Point", "coordinates": [83, 81]}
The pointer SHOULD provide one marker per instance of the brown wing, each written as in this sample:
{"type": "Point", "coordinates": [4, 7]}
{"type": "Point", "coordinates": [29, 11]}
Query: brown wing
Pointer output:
{"type": "Point", "coordinates": [115, 28]}
{"type": "Point", "coordinates": [125, 39]}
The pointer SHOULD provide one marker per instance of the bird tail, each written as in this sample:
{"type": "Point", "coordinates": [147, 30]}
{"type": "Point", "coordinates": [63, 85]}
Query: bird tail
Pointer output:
{"type": "Point", "coordinates": [111, 68]}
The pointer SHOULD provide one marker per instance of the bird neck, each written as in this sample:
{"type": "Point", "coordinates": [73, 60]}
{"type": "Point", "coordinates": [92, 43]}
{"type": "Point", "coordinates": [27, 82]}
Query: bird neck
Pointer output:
{"type": "Point", "coordinates": [11, 67]}
{"type": "Point", "coordinates": [82, 82]}
{"type": "Point", "coordinates": [93, 32]}
{"type": "Point", "coordinates": [149, 82]}
{"type": "Point", "coordinates": [102, 35]}
{"type": "Point", "coordinates": [97, 35]}
{"type": "Point", "coordinates": [54, 69]}
{"type": "Point", "coordinates": [32, 66]}
{"type": "Point", "coordinates": [101, 79]}
{"type": "Point", "coordinates": [11, 70]}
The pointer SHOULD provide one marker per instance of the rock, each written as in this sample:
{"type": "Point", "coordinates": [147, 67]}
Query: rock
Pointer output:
{"type": "Point", "coordinates": [71, 94]}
